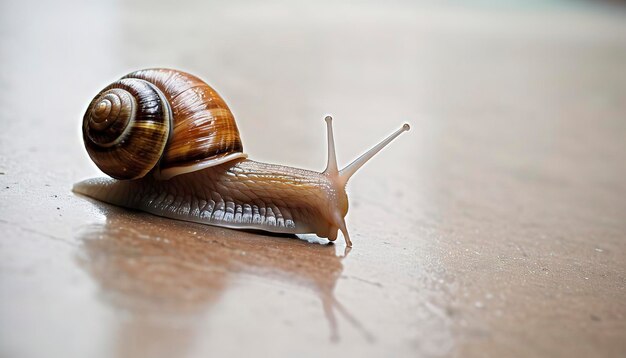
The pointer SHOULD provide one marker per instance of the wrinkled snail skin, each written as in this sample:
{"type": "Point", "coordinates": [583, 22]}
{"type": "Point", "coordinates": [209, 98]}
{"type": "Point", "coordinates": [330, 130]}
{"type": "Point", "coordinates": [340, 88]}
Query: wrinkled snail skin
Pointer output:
{"type": "Point", "coordinates": [241, 195]}
{"type": "Point", "coordinates": [173, 147]}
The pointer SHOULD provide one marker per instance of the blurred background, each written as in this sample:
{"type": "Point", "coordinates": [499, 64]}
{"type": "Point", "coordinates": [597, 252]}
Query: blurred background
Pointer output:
{"type": "Point", "coordinates": [495, 227]}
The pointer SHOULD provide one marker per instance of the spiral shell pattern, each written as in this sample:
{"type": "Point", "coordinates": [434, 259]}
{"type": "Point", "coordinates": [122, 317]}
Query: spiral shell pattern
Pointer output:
{"type": "Point", "coordinates": [161, 119]}
{"type": "Point", "coordinates": [126, 127]}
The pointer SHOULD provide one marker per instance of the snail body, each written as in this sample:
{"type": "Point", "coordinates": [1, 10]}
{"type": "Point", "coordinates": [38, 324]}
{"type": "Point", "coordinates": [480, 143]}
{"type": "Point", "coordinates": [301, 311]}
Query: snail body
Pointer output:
{"type": "Point", "coordinates": [173, 148]}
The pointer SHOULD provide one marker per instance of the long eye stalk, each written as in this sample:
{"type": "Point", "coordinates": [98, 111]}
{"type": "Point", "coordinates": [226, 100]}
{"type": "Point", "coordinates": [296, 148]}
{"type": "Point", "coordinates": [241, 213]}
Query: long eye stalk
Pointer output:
{"type": "Point", "coordinates": [353, 167]}
{"type": "Point", "coordinates": [347, 172]}
{"type": "Point", "coordinates": [331, 164]}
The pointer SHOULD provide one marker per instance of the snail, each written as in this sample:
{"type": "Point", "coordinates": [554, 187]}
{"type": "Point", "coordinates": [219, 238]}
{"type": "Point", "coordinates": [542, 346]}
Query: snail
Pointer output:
{"type": "Point", "coordinates": [172, 147]}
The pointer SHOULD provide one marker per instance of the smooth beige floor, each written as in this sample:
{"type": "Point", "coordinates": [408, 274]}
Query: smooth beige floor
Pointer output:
{"type": "Point", "coordinates": [495, 228]}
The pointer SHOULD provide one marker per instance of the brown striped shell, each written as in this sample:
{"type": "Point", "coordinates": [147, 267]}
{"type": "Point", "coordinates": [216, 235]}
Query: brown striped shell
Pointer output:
{"type": "Point", "coordinates": [159, 119]}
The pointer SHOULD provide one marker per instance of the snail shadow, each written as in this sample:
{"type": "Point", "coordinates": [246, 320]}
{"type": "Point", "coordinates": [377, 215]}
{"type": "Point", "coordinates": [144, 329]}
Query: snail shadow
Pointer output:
{"type": "Point", "coordinates": [164, 275]}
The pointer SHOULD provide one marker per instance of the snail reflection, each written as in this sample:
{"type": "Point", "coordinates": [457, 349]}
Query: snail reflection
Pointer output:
{"type": "Point", "coordinates": [165, 274]}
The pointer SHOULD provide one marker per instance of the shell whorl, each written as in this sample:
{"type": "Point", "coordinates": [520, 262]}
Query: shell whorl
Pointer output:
{"type": "Point", "coordinates": [125, 128]}
{"type": "Point", "coordinates": [160, 119]}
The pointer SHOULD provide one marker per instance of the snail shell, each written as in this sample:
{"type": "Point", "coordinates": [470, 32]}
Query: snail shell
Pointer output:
{"type": "Point", "coordinates": [164, 120]}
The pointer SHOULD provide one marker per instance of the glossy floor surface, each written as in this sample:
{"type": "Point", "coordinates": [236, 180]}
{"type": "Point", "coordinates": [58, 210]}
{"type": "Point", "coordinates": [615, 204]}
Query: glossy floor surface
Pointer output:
{"type": "Point", "coordinates": [495, 227]}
